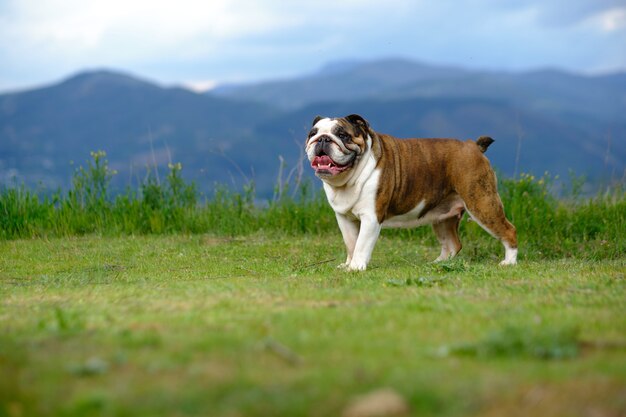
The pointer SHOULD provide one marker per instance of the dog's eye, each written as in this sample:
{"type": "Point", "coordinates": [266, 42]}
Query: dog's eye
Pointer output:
{"type": "Point", "coordinates": [312, 133]}
{"type": "Point", "coordinates": [343, 136]}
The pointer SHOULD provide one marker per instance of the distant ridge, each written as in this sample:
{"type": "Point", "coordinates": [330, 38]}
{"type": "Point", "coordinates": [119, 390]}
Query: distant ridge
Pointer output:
{"type": "Point", "coordinates": [343, 80]}
{"type": "Point", "coordinates": [338, 67]}
{"type": "Point", "coordinates": [107, 77]}
{"type": "Point", "coordinates": [137, 122]}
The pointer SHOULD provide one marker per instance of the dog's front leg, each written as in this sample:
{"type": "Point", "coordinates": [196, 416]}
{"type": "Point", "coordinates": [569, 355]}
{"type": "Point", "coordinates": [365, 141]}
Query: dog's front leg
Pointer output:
{"type": "Point", "coordinates": [350, 231]}
{"type": "Point", "coordinates": [368, 234]}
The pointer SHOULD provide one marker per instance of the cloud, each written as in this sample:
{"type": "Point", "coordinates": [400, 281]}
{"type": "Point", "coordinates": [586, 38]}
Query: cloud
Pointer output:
{"type": "Point", "coordinates": [611, 20]}
{"type": "Point", "coordinates": [78, 25]}
{"type": "Point", "coordinates": [192, 40]}
{"type": "Point", "coordinates": [563, 12]}
{"type": "Point", "coordinates": [550, 13]}
{"type": "Point", "coordinates": [200, 86]}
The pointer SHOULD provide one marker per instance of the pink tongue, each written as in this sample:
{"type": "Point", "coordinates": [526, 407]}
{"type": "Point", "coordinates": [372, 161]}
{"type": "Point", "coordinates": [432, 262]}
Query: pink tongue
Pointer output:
{"type": "Point", "coordinates": [322, 160]}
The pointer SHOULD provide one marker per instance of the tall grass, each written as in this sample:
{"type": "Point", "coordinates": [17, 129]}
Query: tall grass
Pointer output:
{"type": "Point", "coordinates": [167, 206]}
{"type": "Point", "coordinates": [572, 225]}
{"type": "Point", "coordinates": [547, 226]}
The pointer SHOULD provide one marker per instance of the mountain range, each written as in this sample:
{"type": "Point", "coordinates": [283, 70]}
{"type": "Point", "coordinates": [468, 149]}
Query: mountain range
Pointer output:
{"type": "Point", "coordinates": [542, 121]}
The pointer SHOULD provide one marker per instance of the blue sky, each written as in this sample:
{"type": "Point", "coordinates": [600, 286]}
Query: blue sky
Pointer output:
{"type": "Point", "coordinates": [201, 43]}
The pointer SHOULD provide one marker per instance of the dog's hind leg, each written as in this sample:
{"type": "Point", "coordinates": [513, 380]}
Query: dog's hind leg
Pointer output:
{"type": "Point", "coordinates": [479, 193]}
{"type": "Point", "coordinates": [488, 212]}
{"type": "Point", "coordinates": [447, 232]}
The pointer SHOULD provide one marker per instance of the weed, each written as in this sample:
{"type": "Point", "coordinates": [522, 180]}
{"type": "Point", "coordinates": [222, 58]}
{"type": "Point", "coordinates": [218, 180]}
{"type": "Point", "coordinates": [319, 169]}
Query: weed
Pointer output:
{"type": "Point", "coordinates": [419, 281]}
{"type": "Point", "coordinates": [517, 341]}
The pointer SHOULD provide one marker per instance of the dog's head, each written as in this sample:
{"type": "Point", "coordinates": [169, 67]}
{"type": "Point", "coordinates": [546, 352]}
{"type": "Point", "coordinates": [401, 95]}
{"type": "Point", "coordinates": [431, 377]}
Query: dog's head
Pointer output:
{"type": "Point", "coordinates": [335, 146]}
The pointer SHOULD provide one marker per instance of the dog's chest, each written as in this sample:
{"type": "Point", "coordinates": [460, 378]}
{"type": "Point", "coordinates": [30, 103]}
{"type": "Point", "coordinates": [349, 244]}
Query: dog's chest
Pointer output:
{"type": "Point", "coordinates": [358, 200]}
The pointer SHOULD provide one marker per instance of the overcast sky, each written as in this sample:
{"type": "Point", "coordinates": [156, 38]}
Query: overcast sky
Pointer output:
{"type": "Point", "coordinates": [201, 43]}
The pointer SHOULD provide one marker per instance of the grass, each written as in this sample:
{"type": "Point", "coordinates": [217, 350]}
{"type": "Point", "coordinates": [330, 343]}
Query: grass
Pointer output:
{"type": "Point", "coordinates": [264, 325]}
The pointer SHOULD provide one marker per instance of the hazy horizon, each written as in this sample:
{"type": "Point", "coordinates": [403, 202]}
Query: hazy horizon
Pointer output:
{"type": "Point", "coordinates": [200, 88]}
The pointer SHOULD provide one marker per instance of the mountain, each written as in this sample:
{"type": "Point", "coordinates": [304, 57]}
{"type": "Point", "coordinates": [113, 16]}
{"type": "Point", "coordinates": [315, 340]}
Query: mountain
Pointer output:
{"type": "Point", "coordinates": [342, 81]}
{"type": "Point", "coordinates": [554, 91]}
{"type": "Point", "coordinates": [137, 122]}
{"type": "Point", "coordinates": [545, 120]}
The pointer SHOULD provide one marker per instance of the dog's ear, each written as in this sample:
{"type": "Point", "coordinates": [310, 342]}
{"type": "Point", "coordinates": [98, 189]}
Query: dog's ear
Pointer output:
{"type": "Point", "coordinates": [317, 119]}
{"type": "Point", "coordinates": [360, 124]}
{"type": "Point", "coordinates": [358, 121]}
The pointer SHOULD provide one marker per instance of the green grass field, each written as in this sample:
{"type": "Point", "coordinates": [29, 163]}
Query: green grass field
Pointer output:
{"type": "Point", "coordinates": [264, 325]}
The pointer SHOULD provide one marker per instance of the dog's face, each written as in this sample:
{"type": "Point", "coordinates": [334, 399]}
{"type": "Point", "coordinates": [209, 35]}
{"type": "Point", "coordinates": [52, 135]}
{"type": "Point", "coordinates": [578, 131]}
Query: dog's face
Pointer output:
{"type": "Point", "coordinates": [335, 146]}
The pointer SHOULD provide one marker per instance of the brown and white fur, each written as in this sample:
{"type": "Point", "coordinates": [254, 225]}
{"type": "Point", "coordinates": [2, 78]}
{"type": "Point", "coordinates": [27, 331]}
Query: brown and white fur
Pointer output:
{"type": "Point", "coordinates": [374, 180]}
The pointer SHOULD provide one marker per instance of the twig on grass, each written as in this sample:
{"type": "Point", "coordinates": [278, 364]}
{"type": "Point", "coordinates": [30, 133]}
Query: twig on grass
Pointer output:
{"type": "Point", "coordinates": [316, 264]}
{"type": "Point", "coordinates": [250, 271]}
{"type": "Point", "coordinates": [282, 351]}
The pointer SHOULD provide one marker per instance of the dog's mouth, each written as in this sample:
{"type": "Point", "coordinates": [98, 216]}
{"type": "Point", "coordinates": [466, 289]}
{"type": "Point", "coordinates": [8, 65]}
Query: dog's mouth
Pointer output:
{"type": "Point", "coordinates": [324, 165]}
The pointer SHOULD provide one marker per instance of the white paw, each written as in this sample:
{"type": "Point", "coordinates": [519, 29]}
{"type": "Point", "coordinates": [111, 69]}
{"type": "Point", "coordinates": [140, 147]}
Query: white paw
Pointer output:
{"type": "Point", "coordinates": [356, 266]}
{"type": "Point", "coordinates": [510, 255]}
{"type": "Point", "coordinates": [442, 258]}
{"type": "Point", "coordinates": [344, 265]}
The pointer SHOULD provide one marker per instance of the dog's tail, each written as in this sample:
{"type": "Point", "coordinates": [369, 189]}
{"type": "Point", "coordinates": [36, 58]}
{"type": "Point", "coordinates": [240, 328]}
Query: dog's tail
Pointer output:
{"type": "Point", "coordinates": [483, 143]}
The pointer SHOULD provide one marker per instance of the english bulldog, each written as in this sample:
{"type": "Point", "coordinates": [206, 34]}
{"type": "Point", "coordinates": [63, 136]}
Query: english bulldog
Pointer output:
{"type": "Point", "coordinates": [373, 180]}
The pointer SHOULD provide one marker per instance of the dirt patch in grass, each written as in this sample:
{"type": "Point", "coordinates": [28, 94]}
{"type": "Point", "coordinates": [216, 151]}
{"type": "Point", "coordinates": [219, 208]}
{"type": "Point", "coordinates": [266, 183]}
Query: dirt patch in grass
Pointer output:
{"type": "Point", "coordinates": [599, 398]}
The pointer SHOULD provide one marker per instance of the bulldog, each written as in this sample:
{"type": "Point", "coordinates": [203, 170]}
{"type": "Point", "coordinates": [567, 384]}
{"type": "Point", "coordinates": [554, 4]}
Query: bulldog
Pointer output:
{"type": "Point", "coordinates": [373, 180]}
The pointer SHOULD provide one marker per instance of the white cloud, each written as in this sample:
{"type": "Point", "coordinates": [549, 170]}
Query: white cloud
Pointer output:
{"type": "Point", "coordinates": [86, 24]}
{"type": "Point", "coordinates": [189, 40]}
{"type": "Point", "coordinates": [611, 20]}
{"type": "Point", "coordinates": [200, 86]}
{"type": "Point", "coordinates": [79, 26]}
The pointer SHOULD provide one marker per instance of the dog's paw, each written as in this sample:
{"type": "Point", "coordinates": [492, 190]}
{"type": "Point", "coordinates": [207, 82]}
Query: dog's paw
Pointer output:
{"type": "Point", "coordinates": [508, 262]}
{"type": "Point", "coordinates": [356, 266]}
{"type": "Point", "coordinates": [346, 264]}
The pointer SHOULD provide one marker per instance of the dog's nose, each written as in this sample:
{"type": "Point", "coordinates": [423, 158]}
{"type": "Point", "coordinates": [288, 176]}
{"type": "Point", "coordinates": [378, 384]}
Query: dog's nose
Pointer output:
{"type": "Point", "coordinates": [324, 139]}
